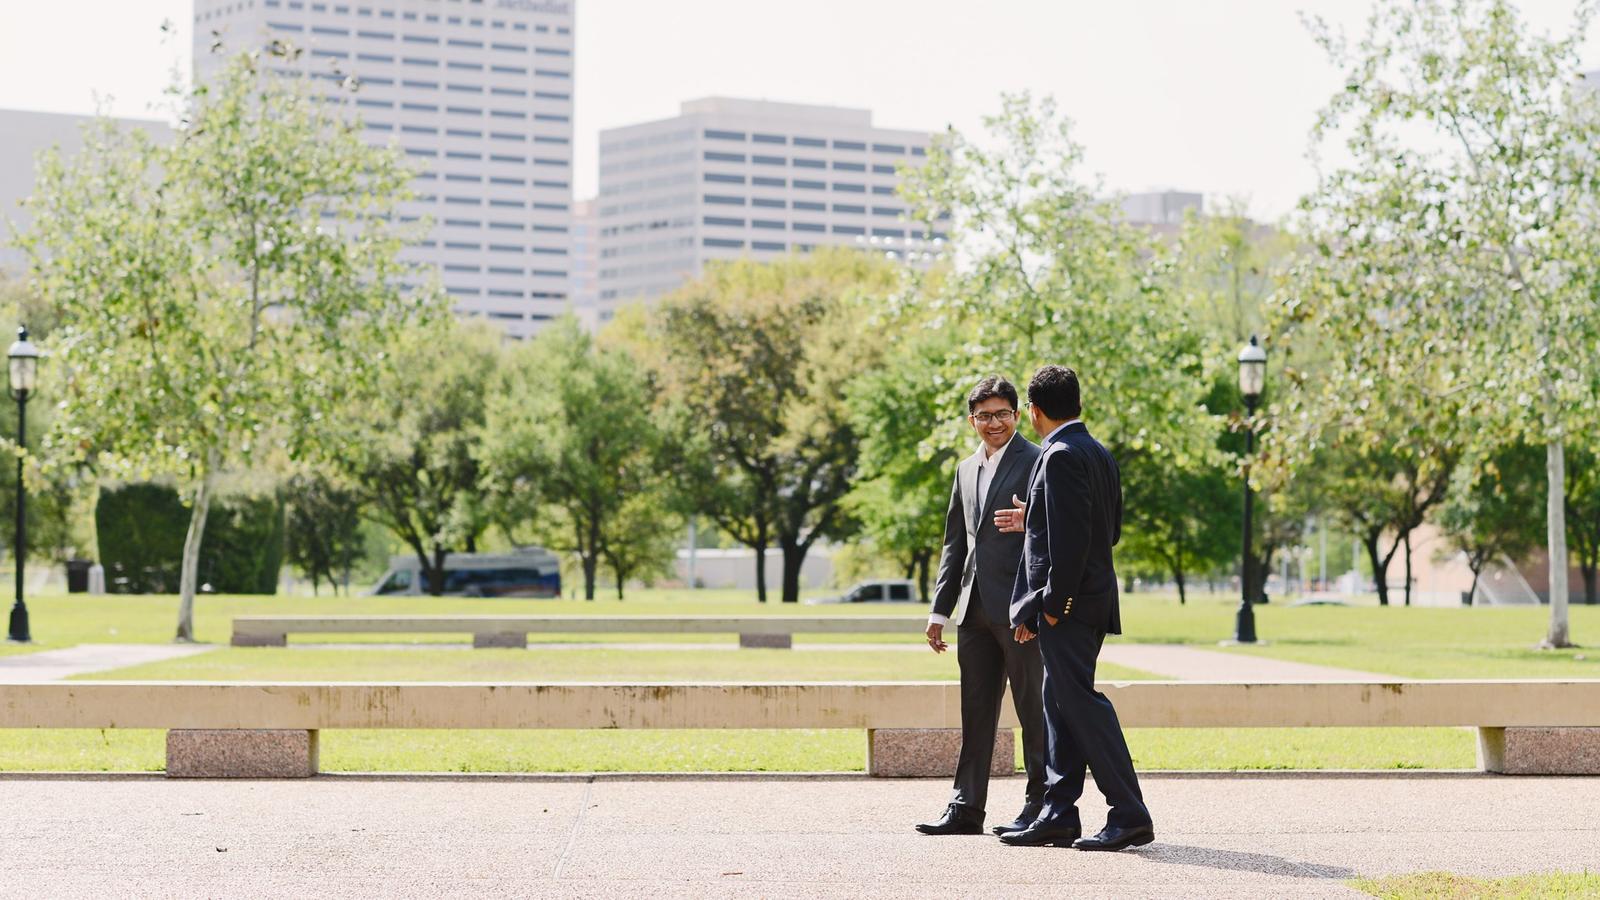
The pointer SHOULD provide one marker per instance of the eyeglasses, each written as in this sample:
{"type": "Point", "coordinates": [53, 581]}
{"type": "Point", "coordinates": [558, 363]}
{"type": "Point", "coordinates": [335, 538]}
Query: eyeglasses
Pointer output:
{"type": "Point", "coordinates": [1003, 416]}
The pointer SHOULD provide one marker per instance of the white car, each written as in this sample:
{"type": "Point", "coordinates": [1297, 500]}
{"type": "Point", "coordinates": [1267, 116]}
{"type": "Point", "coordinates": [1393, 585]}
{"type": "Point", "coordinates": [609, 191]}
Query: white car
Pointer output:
{"type": "Point", "coordinates": [880, 591]}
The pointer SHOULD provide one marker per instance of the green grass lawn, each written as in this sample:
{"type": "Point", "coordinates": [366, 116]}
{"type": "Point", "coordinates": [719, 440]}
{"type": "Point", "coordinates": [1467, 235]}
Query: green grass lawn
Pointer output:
{"type": "Point", "coordinates": [1448, 886]}
{"type": "Point", "coordinates": [1414, 642]}
{"type": "Point", "coordinates": [62, 620]}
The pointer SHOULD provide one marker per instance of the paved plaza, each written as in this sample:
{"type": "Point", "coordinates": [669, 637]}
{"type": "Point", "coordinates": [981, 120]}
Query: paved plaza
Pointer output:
{"type": "Point", "coordinates": [1294, 835]}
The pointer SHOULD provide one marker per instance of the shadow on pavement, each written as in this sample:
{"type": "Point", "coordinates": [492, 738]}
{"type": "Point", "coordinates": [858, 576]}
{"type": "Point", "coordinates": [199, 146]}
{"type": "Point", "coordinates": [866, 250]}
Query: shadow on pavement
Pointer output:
{"type": "Point", "coordinates": [1237, 861]}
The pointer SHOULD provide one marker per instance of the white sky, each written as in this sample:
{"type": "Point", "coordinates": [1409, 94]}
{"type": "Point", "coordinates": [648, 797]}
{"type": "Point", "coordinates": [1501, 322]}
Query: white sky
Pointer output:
{"type": "Point", "coordinates": [1208, 95]}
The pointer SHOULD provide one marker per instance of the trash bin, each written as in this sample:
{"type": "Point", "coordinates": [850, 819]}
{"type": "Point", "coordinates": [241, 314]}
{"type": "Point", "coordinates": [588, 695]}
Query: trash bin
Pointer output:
{"type": "Point", "coordinates": [78, 575]}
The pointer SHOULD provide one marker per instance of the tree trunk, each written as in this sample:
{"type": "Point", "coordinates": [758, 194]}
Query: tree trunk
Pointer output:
{"type": "Point", "coordinates": [1588, 570]}
{"type": "Point", "coordinates": [1380, 566]}
{"type": "Point", "coordinates": [620, 579]}
{"type": "Point", "coordinates": [924, 563]}
{"type": "Point", "coordinates": [1407, 537]}
{"type": "Point", "coordinates": [434, 571]}
{"type": "Point", "coordinates": [794, 555]}
{"type": "Point", "coordinates": [590, 564]}
{"type": "Point", "coordinates": [761, 570]}
{"type": "Point", "coordinates": [189, 573]}
{"type": "Point", "coordinates": [1177, 575]}
{"type": "Point", "coordinates": [1556, 511]}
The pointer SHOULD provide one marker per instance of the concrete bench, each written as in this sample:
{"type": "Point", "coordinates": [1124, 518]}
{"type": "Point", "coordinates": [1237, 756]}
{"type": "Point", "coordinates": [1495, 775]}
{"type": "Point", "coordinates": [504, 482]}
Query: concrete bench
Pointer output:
{"type": "Point", "coordinates": [512, 631]}
{"type": "Point", "coordinates": [270, 730]}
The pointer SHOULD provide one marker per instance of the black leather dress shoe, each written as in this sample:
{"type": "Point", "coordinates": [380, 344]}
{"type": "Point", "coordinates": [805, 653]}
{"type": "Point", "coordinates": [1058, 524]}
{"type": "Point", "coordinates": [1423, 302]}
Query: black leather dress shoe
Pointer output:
{"type": "Point", "coordinates": [956, 820]}
{"type": "Point", "coordinates": [1023, 820]}
{"type": "Point", "coordinates": [1040, 834]}
{"type": "Point", "coordinates": [1111, 838]}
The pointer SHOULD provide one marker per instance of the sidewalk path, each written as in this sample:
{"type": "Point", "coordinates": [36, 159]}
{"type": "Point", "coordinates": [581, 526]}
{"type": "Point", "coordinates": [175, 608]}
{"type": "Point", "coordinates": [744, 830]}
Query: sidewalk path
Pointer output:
{"type": "Point", "coordinates": [1216, 836]}
{"type": "Point", "coordinates": [1186, 663]}
{"type": "Point", "coordinates": [54, 665]}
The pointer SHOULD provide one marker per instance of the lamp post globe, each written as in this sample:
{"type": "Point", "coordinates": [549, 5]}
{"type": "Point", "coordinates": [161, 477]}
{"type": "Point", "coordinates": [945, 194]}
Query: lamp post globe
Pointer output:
{"type": "Point", "coordinates": [23, 371]}
{"type": "Point", "coordinates": [1252, 382]}
{"type": "Point", "coordinates": [1252, 372]}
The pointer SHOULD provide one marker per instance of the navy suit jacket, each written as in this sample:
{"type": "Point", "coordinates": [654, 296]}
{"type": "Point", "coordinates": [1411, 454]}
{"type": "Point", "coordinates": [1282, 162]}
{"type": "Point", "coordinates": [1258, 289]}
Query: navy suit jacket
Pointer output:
{"type": "Point", "coordinates": [1074, 518]}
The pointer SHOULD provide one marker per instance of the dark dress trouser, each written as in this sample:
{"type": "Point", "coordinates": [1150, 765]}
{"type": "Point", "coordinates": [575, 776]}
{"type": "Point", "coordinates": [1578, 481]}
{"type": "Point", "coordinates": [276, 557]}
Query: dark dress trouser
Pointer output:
{"type": "Point", "coordinates": [1083, 731]}
{"type": "Point", "coordinates": [989, 657]}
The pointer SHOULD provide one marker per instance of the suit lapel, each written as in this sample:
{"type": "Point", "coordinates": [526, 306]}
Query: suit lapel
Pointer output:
{"type": "Point", "coordinates": [969, 492]}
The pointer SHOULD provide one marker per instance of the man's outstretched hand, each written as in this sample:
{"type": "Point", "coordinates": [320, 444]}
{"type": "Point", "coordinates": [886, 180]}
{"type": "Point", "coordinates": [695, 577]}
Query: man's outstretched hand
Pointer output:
{"type": "Point", "coordinates": [936, 637]}
{"type": "Point", "coordinates": [1011, 519]}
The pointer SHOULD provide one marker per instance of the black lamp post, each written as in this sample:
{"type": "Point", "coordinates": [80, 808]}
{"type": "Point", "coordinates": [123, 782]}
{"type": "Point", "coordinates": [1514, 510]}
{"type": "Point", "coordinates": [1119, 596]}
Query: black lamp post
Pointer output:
{"type": "Point", "coordinates": [1252, 380]}
{"type": "Point", "coordinates": [24, 369]}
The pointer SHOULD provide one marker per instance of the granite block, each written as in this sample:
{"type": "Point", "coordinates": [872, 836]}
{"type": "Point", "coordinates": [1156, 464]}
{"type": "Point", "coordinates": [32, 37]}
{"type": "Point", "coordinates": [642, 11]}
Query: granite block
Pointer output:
{"type": "Point", "coordinates": [241, 753]}
{"type": "Point", "coordinates": [930, 752]}
{"type": "Point", "coordinates": [1528, 750]}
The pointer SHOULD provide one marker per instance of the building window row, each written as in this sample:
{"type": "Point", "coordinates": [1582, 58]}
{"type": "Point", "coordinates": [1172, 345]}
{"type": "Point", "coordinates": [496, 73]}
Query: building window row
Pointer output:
{"type": "Point", "coordinates": [798, 141]}
{"type": "Point", "coordinates": [369, 12]}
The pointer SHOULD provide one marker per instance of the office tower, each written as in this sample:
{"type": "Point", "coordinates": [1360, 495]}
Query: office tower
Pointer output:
{"type": "Point", "coordinates": [23, 136]}
{"type": "Point", "coordinates": [585, 264]}
{"type": "Point", "coordinates": [478, 93]}
{"type": "Point", "coordinates": [729, 178]}
{"type": "Point", "coordinates": [1160, 207]}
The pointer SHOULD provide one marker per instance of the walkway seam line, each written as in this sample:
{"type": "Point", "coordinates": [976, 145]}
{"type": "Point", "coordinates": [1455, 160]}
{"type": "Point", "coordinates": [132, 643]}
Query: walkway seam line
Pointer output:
{"type": "Point", "coordinates": [577, 822]}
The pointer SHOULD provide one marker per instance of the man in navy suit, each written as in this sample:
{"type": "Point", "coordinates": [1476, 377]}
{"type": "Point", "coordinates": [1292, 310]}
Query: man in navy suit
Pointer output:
{"type": "Point", "coordinates": [1066, 596]}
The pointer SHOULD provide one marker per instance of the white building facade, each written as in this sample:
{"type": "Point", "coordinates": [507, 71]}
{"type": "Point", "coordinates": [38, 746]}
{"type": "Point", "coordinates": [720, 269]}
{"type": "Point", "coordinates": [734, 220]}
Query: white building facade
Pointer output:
{"type": "Point", "coordinates": [730, 178]}
{"type": "Point", "coordinates": [478, 94]}
{"type": "Point", "coordinates": [25, 135]}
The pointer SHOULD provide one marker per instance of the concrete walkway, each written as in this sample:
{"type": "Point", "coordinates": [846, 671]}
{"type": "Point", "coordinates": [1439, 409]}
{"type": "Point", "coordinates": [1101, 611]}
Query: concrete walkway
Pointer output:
{"type": "Point", "coordinates": [54, 665]}
{"type": "Point", "coordinates": [1217, 836]}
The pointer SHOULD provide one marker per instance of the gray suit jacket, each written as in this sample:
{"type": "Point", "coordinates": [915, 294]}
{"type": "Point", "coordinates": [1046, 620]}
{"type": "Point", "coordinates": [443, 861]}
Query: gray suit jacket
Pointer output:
{"type": "Point", "coordinates": [975, 552]}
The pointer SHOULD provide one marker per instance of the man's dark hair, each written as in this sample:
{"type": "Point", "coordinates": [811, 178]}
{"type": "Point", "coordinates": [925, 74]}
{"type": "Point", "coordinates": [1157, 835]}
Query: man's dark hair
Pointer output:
{"type": "Point", "coordinates": [1054, 389]}
{"type": "Point", "coordinates": [993, 386]}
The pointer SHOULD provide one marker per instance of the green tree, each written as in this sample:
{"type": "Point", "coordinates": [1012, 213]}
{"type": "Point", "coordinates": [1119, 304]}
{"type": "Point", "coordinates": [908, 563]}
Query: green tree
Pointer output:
{"type": "Point", "coordinates": [412, 453]}
{"type": "Point", "coordinates": [903, 486]}
{"type": "Point", "coordinates": [640, 539]}
{"type": "Point", "coordinates": [54, 493]}
{"type": "Point", "coordinates": [568, 443]}
{"type": "Point", "coordinates": [323, 528]}
{"type": "Point", "coordinates": [219, 295]}
{"type": "Point", "coordinates": [1583, 513]}
{"type": "Point", "coordinates": [1056, 276]}
{"type": "Point", "coordinates": [1183, 522]}
{"type": "Point", "coordinates": [754, 361]}
{"type": "Point", "coordinates": [1463, 223]}
{"type": "Point", "coordinates": [1492, 509]}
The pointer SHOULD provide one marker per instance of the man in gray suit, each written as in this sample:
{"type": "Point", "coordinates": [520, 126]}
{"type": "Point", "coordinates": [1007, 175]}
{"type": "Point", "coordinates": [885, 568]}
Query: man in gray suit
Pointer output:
{"type": "Point", "coordinates": [976, 573]}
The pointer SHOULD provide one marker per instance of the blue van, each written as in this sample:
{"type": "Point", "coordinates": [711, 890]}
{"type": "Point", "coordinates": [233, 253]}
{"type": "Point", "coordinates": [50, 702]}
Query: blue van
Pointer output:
{"type": "Point", "coordinates": [527, 572]}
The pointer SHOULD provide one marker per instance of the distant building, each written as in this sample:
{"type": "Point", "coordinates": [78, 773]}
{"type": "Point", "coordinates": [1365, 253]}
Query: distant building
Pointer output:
{"type": "Point", "coordinates": [585, 264]}
{"type": "Point", "coordinates": [729, 178]}
{"type": "Point", "coordinates": [478, 93]}
{"type": "Point", "coordinates": [1160, 207]}
{"type": "Point", "coordinates": [23, 136]}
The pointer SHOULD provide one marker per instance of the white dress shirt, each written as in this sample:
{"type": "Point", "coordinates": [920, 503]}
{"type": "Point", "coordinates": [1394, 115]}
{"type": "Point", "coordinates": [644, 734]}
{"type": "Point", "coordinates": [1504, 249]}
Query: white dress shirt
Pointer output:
{"type": "Point", "coordinates": [986, 470]}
